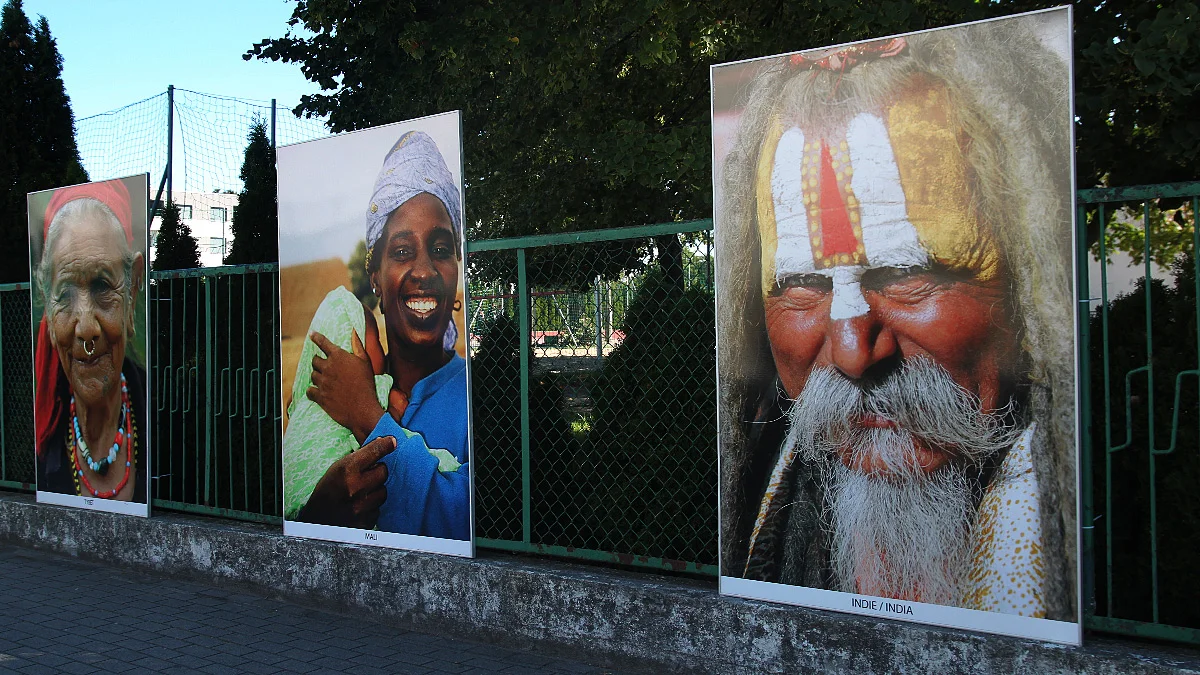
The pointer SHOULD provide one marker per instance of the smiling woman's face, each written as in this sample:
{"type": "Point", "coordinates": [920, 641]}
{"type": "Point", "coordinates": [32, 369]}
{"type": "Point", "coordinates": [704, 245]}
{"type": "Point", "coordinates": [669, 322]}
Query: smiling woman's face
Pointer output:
{"type": "Point", "coordinates": [417, 276]}
{"type": "Point", "coordinates": [87, 306]}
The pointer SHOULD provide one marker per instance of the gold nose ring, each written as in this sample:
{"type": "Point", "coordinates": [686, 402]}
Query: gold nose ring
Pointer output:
{"type": "Point", "coordinates": [89, 346]}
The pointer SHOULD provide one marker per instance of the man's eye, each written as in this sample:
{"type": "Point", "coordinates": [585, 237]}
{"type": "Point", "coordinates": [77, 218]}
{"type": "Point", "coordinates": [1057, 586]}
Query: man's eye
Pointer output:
{"type": "Point", "coordinates": [882, 278]}
{"type": "Point", "coordinates": [818, 283]}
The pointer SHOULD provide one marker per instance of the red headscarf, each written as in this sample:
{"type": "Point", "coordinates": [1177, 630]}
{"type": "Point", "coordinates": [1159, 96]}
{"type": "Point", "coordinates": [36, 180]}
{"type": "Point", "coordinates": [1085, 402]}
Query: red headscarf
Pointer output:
{"type": "Point", "coordinates": [50, 404]}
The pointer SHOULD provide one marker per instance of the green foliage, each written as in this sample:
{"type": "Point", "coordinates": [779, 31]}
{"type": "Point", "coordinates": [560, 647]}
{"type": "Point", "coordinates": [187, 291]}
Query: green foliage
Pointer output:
{"type": "Point", "coordinates": [584, 115]}
{"type": "Point", "coordinates": [595, 114]}
{"type": "Point", "coordinates": [1137, 86]}
{"type": "Point", "coordinates": [1171, 232]}
{"type": "Point", "coordinates": [255, 224]}
{"type": "Point", "coordinates": [176, 248]}
{"type": "Point", "coordinates": [360, 282]}
{"type": "Point", "coordinates": [37, 146]}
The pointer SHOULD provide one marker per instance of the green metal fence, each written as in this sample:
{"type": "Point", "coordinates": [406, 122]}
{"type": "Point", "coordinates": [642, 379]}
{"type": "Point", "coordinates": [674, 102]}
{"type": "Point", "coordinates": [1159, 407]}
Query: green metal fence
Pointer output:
{"type": "Point", "coordinates": [216, 409]}
{"type": "Point", "coordinates": [593, 399]}
{"type": "Point", "coordinates": [593, 388]}
{"type": "Point", "coordinates": [17, 469]}
{"type": "Point", "coordinates": [1140, 379]}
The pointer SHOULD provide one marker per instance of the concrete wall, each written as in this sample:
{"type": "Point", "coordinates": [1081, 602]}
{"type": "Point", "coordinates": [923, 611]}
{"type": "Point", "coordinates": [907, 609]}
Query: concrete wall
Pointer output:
{"type": "Point", "coordinates": [632, 622]}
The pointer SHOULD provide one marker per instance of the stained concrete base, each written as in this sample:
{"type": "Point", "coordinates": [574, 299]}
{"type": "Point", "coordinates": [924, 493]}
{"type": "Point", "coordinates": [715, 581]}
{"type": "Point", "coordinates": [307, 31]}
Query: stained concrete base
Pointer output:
{"type": "Point", "coordinates": [632, 622]}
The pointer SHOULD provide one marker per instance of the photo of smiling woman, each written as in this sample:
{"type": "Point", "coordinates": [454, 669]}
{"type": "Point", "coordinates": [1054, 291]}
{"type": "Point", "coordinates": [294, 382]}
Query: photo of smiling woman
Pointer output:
{"type": "Point", "coordinates": [87, 265]}
{"type": "Point", "coordinates": [375, 446]}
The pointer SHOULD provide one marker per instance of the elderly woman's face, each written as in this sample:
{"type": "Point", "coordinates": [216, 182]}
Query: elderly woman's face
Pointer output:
{"type": "Point", "coordinates": [86, 307]}
{"type": "Point", "coordinates": [418, 273]}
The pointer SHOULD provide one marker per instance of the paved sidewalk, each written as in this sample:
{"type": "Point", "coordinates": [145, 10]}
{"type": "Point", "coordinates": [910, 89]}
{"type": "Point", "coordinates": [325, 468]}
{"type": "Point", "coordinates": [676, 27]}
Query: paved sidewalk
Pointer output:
{"type": "Point", "coordinates": [63, 615]}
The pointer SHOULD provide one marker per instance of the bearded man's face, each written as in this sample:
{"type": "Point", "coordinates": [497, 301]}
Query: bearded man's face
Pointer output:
{"type": "Point", "coordinates": [963, 325]}
{"type": "Point", "coordinates": [888, 312]}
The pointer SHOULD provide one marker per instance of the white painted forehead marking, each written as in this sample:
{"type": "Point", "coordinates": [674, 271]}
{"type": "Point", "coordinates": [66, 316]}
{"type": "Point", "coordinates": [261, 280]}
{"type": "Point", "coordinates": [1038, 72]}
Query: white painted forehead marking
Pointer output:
{"type": "Point", "coordinates": [793, 253]}
{"type": "Point", "coordinates": [888, 237]}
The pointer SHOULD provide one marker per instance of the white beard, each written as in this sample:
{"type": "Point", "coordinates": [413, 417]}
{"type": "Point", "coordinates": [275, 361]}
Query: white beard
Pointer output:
{"type": "Point", "coordinates": [908, 539]}
{"type": "Point", "coordinates": [903, 533]}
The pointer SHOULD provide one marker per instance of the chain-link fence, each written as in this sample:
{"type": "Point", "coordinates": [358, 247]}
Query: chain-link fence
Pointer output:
{"type": "Point", "coordinates": [593, 389]}
{"type": "Point", "coordinates": [16, 381]}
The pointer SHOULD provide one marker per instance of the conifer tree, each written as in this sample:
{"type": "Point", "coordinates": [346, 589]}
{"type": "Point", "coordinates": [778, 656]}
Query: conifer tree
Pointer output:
{"type": "Point", "coordinates": [255, 223]}
{"type": "Point", "coordinates": [37, 146]}
{"type": "Point", "coordinates": [177, 248]}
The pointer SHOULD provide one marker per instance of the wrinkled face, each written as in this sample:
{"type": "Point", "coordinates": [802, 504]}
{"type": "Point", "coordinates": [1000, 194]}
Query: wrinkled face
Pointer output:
{"type": "Point", "coordinates": [87, 307]}
{"type": "Point", "coordinates": [873, 255]}
{"type": "Point", "coordinates": [417, 276]}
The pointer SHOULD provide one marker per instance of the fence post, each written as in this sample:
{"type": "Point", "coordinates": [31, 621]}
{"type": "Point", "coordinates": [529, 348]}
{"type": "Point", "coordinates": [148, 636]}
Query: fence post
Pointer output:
{"type": "Point", "coordinates": [1087, 532]}
{"type": "Point", "coordinates": [208, 382]}
{"type": "Point", "coordinates": [170, 140]}
{"type": "Point", "coordinates": [599, 324]}
{"type": "Point", "coordinates": [3, 437]}
{"type": "Point", "coordinates": [523, 323]}
{"type": "Point", "coordinates": [272, 124]}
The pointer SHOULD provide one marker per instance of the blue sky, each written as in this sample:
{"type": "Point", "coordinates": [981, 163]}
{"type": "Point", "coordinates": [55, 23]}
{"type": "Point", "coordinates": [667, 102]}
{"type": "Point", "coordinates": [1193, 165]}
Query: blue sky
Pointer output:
{"type": "Point", "coordinates": [116, 52]}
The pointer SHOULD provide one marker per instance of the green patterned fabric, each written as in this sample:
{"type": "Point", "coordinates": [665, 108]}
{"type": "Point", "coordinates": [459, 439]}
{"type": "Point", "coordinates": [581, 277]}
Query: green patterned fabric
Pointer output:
{"type": "Point", "coordinates": [313, 440]}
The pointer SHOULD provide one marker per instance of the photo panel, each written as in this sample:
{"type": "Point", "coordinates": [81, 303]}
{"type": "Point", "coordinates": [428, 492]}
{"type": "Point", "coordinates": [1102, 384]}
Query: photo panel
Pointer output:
{"type": "Point", "coordinates": [896, 346]}
{"type": "Point", "coordinates": [89, 264]}
{"type": "Point", "coordinates": [374, 380]}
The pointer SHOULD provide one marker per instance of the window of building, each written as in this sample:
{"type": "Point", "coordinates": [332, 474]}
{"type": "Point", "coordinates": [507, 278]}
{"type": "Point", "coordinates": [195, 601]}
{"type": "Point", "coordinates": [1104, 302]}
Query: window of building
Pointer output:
{"type": "Point", "coordinates": [216, 214]}
{"type": "Point", "coordinates": [185, 211]}
{"type": "Point", "coordinates": [217, 243]}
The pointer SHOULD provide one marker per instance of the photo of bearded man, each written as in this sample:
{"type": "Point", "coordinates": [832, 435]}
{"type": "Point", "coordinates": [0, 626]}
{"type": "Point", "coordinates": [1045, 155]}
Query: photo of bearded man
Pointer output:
{"type": "Point", "coordinates": [896, 350]}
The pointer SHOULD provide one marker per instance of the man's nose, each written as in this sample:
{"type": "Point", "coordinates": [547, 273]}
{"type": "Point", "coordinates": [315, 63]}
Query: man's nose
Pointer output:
{"type": "Point", "coordinates": [858, 343]}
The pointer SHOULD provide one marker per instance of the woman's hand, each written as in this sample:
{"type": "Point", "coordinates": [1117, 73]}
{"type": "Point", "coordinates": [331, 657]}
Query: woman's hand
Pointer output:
{"type": "Point", "coordinates": [344, 386]}
{"type": "Point", "coordinates": [352, 489]}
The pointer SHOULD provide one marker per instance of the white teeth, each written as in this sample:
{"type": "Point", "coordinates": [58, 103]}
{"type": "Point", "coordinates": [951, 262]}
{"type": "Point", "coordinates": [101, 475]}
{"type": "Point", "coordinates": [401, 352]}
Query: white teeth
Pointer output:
{"type": "Point", "coordinates": [421, 305]}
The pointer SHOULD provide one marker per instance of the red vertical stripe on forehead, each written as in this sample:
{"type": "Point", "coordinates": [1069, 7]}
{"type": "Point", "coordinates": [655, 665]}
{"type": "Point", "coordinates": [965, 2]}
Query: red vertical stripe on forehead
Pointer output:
{"type": "Point", "coordinates": [837, 236]}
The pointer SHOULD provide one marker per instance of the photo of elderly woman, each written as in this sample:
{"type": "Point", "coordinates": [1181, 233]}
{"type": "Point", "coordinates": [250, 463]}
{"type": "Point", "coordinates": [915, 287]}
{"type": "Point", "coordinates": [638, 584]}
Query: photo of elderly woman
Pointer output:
{"type": "Point", "coordinates": [375, 446]}
{"type": "Point", "coordinates": [87, 261]}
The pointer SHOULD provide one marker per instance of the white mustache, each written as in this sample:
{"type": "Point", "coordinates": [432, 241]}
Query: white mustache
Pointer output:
{"type": "Point", "coordinates": [921, 398]}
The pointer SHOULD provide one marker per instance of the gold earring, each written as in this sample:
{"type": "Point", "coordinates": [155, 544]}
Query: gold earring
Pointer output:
{"type": "Point", "coordinates": [458, 305]}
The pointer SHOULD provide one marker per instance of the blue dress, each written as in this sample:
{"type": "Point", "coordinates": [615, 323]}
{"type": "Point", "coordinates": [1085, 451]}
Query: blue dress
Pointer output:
{"type": "Point", "coordinates": [421, 499]}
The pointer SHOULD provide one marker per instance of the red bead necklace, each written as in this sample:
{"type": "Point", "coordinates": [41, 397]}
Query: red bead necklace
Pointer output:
{"type": "Point", "coordinates": [130, 444]}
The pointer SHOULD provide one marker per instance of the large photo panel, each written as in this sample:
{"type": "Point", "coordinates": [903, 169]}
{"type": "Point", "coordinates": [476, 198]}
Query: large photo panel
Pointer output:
{"type": "Point", "coordinates": [896, 332]}
{"type": "Point", "coordinates": [88, 264]}
{"type": "Point", "coordinates": [373, 338]}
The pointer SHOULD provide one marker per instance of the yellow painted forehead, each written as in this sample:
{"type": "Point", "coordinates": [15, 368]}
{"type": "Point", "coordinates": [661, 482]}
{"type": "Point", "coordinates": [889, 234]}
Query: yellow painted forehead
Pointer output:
{"type": "Point", "coordinates": [923, 150]}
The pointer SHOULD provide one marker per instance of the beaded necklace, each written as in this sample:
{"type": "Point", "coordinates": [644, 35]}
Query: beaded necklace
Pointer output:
{"type": "Point", "coordinates": [101, 467]}
{"type": "Point", "coordinates": [76, 446]}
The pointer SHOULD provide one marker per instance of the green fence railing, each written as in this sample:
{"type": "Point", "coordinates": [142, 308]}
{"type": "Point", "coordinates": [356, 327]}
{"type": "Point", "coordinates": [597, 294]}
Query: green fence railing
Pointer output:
{"type": "Point", "coordinates": [593, 389]}
{"type": "Point", "coordinates": [216, 408]}
{"type": "Point", "coordinates": [1140, 421]}
{"type": "Point", "coordinates": [17, 469]}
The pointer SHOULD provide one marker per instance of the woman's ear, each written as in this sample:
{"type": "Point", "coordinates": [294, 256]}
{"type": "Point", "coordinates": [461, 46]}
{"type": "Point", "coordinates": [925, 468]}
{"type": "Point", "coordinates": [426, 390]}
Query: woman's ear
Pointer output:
{"type": "Point", "coordinates": [138, 273]}
{"type": "Point", "coordinates": [373, 277]}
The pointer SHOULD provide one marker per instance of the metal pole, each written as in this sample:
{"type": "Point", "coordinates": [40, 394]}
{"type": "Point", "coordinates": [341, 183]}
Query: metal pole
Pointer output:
{"type": "Point", "coordinates": [272, 124]}
{"type": "Point", "coordinates": [599, 324]}
{"type": "Point", "coordinates": [170, 140]}
{"type": "Point", "coordinates": [523, 322]}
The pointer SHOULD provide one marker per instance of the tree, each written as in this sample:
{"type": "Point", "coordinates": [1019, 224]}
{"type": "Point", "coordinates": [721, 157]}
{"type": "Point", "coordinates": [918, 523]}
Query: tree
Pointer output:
{"type": "Point", "coordinates": [595, 114]}
{"type": "Point", "coordinates": [37, 148]}
{"type": "Point", "coordinates": [176, 248]}
{"type": "Point", "coordinates": [255, 225]}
